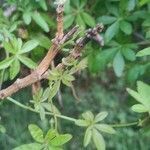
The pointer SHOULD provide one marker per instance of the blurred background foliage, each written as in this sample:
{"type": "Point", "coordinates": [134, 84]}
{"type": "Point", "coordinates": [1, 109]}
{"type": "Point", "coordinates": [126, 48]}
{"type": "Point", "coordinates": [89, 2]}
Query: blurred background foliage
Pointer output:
{"type": "Point", "coordinates": [101, 87]}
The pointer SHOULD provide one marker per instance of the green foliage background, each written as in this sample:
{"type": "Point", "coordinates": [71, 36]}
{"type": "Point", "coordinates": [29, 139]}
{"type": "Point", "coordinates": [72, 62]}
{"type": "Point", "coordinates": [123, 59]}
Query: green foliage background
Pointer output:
{"type": "Point", "coordinates": [101, 87]}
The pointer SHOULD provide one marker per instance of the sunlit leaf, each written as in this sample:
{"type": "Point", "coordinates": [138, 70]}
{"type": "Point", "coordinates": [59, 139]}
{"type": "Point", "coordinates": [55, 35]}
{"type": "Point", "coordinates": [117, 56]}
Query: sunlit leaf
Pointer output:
{"type": "Point", "coordinates": [144, 52]}
{"type": "Point", "coordinates": [40, 21]}
{"type": "Point", "coordinates": [139, 108]}
{"type": "Point", "coordinates": [98, 140]}
{"type": "Point", "coordinates": [82, 123]}
{"type": "Point", "coordinates": [60, 140]}
{"type": "Point", "coordinates": [100, 116]}
{"type": "Point", "coordinates": [87, 136]}
{"type": "Point", "coordinates": [36, 133]}
{"type": "Point", "coordinates": [105, 128]}
{"type": "Point", "coordinates": [6, 63]}
{"type": "Point", "coordinates": [27, 61]}
{"type": "Point", "coordinates": [28, 46]}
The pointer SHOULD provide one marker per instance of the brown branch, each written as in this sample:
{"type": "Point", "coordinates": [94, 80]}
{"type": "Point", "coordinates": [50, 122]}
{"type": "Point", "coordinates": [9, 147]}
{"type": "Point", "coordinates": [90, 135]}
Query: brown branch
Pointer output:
{"type": "Point", "coordinates": [60, 10]}
{"type": "Point", "coordinates": [40, 72]}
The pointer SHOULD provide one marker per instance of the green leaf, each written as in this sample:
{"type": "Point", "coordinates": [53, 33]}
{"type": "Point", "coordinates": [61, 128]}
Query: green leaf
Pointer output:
{"type": "Point", "coordinates": [105, 128]}
{"type": "Point", "coordinates": [143, 2]}
{"type": "Point", "coordinates": [14, 68]}
{"type": "Point", "coordinates": [112, 31]}
{"type": "Point", "coordinates": [89, 20]}
{"type": "Point", "coordinates": [144, 91]}
{"type": "Point", "coordinates": [80, 21]}
{"type": "Point", "coordinates": [2, 129]}
{"type": "Point", "coordinates": [107, 19]}
{"type": "Point", "coordinates": [139, 108]}
{"type": "Point", "coordinates": [87, 137]}
{"type": "Point", "coordinates": [40, 21]}
{"type": "Point", "coordinates": [60, 140]}
{"type": "Point", "coordinates": [27, 61]}
{"type": "Point", "coordinates": [68, 21]}
{"type": "Point", "coordinates": [54, 89]}
{"type": "Point", "coordinates": [129, 54]}
{"type": "Point", "coordinates": [42, 113]}
{"type": "Point", "coordinates": [43, 4]}
{"type": "Point", "coordinates": [98, 140]}
{"type": "Point", "coordinates": [51, 134]}
{"type": "Point", "coordinates": [88, 116]}
{"type": "Point", "coordinates": [36, 133]}
{"type": "Point", "coordinates": [100, 116]}
{"type": "Point", "coordinates": [131, 5]}
{"type": "Point", "coordinates": [43, 40]}
{"type": "Point", "coordinates": [28, 46]}
{"type": "Point", "coordinates": [143, 52]}
{"type": "Point", "coordinates": [6, 63]}
{"type": "Point", "coordinates": [126, 27]}
{"type": "Point", "coordinates": [82, 123]}
{"type": "Point", "coordinates": [9, 47]}
{"type": "Point", "coordinates": [136, 95]}
{"type": "Point", "coordinates": [27, 17]}
{"type": "Point", "coordinates": [31, 146]}
{"type": "Point", "coordinates": [118, 64]}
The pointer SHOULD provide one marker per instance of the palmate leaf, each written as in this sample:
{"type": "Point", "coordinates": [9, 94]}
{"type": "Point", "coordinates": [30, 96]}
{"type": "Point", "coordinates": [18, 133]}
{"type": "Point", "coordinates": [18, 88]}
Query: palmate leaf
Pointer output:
{"type": "Point", "coordinates": [142, 96]}
{"type": "Point", "coordinates": [98, 140]}
{"type": "Point", "coordinates": [36, 133]}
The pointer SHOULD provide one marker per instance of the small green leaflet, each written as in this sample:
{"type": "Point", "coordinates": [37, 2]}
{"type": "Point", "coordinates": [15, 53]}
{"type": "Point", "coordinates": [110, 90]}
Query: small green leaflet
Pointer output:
{"type": "Point", "coordinates": [40, 21]}
{"type": "Point", "coordinates": [144, 52]}
{"type": "Point", "coordinates": [118, 64]}
{"type": "Point", "coordinates": [36, 133]}
{"type": "Point", "coordinates": [98, 140]}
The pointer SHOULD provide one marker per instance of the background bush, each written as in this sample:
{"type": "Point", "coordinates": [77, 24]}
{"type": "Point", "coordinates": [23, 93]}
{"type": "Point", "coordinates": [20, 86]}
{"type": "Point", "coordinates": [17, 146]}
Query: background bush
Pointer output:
{"type": "Point", "coordinates": [102, 86]}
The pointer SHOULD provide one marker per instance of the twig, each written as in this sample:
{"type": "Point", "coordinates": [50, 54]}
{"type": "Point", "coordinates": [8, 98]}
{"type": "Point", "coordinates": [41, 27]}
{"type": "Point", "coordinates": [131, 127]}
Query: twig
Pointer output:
{"type": "Point", "coordinates": [40, 72]}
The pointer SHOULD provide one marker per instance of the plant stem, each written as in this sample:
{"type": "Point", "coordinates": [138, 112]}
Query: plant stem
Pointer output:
{"type": "Point", "coordinates": [33, 110]}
